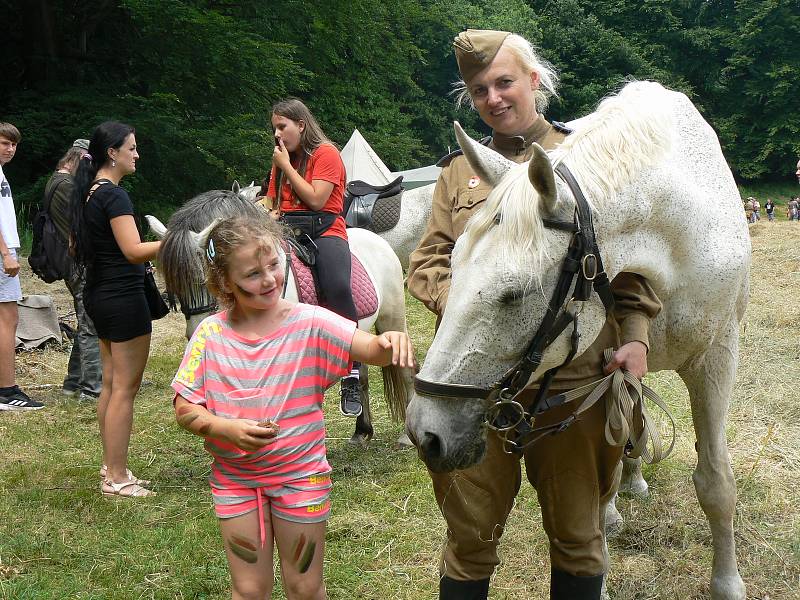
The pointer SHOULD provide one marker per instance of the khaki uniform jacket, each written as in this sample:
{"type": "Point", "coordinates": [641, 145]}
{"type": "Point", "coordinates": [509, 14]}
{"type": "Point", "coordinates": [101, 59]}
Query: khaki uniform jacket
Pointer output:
{"type": "Point", "coordinates": [457, 195]}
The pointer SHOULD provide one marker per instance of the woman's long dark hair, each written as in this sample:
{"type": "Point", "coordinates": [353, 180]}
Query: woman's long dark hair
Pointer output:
{"type": "Point", "coordinates": [110, 134]}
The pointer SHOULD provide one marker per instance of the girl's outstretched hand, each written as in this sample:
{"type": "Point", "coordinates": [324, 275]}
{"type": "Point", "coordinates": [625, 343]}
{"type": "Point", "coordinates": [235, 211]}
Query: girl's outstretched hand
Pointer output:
{"type": "Point", "coordinates": [249, 435]}
{"type": "Point", "coordinates": [400, 345]}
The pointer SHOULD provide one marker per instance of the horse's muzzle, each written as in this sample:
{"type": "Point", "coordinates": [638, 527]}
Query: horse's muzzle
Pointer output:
{"type": "Point", "coordinates": [448, 434]}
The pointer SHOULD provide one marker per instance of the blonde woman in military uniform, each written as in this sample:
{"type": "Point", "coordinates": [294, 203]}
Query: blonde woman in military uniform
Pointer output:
{"type": "Point", "coordinates": [574, 472]}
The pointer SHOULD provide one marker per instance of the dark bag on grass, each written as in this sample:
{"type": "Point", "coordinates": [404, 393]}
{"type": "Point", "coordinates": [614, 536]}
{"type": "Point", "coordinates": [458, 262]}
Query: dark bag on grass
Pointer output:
{"type": "Point", "coordinates": [155, 301]}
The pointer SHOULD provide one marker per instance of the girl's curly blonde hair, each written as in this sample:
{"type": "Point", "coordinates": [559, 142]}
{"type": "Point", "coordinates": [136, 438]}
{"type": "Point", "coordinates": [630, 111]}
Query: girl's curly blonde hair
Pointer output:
{"type": "Point", "coordinates": [229, 235]}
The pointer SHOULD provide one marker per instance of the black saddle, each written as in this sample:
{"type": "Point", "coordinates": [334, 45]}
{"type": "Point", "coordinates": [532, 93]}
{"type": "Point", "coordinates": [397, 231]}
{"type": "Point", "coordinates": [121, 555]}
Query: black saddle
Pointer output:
{"type": "Point", "coordinates": [373, 207]}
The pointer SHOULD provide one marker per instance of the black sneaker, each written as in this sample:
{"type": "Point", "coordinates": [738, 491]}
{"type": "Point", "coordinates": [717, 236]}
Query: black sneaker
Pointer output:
{"type": "Point", "coordinates": [16, 399]}
{"type": "Point", "coordinates": [350, 404]}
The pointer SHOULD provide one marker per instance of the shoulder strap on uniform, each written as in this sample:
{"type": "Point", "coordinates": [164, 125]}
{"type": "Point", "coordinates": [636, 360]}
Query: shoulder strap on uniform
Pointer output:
{"type": "Point", "coordinates": [561, 127]}
{"type": "Point", "coordinates": [445, 160]}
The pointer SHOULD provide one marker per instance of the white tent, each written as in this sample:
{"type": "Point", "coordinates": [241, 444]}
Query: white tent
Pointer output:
{"type": "Point", "coordinates": [362, 163]}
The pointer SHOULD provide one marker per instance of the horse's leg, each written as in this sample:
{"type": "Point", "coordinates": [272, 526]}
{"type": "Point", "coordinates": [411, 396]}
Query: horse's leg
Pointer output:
{"type": "Point", "coordinates": [710, 382]}
{"type": "Point", "coordinates": [363, 433]}
{"type": "Point", "coordinates": [613, 518]}
{"type": "Point", "coordinates": [632, 481]}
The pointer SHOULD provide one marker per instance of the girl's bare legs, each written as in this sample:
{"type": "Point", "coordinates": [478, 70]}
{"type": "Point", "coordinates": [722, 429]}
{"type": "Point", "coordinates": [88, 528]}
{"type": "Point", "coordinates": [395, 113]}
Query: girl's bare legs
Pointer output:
{"type": "Point", "coordinates": [300, 547]}
{"type": "Point", "coordinates": [115, 407]}
{"type": "Point", "coordinates": [249, 563]}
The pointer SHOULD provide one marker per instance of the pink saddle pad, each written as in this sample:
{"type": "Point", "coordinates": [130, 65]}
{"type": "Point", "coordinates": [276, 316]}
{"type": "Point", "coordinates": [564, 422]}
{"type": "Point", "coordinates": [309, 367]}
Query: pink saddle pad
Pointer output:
{"type": "Point", "coordinates": [364, 295]}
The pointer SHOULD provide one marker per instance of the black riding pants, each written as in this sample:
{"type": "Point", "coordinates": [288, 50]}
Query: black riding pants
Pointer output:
{"type": "Point", "coordinates": [333, 276]}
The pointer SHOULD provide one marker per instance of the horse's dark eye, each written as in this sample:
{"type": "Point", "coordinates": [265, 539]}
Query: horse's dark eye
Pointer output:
{"type": "Point", "coordinates": [512, 297]}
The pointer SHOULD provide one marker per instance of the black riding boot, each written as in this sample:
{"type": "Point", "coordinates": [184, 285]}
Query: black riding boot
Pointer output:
{"type": "Point", "coordinates": [564, 586]}
{"type": "Point", "coordinates": [451, 589]}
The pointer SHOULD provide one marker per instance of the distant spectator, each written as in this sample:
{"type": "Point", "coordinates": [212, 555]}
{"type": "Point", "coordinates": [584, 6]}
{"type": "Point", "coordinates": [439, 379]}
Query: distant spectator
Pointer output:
{"type": "Point", "coordinates": [11, 397]}
{"type": "Point", "coordinates": [748, 209]}
{"type": "Point", "coordinates": [769, 207]}
{"type": "Point", "coordinates": [793, 209]}
{"type": "Point", "coordinates": [756, 210]}
{"type": "Point", "coordinates": [84, 373]}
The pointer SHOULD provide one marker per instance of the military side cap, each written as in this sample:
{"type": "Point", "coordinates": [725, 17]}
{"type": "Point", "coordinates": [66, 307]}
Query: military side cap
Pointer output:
{"type": "Point", "coordinates": [475, 49]}
{"type": "Point", "coordinates": [81, 143]}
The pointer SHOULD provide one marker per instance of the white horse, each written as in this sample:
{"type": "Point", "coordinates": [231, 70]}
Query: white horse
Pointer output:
{"type": "Point", "coordinates": [665, 206]}
{"type": "Point", "coordinates": [415, 210]}
{"type": "Point", "coordinates": [181, 264]}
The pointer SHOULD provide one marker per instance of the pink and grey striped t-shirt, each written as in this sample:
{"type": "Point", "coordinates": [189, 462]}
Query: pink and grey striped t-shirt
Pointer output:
{"type": "Point", "coordinates": [281, 377]}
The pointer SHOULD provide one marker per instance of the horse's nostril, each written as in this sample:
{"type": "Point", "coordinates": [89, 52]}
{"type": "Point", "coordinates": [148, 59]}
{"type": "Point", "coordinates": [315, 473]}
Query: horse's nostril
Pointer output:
{"type": "Point", "coordinates": [431, 446]}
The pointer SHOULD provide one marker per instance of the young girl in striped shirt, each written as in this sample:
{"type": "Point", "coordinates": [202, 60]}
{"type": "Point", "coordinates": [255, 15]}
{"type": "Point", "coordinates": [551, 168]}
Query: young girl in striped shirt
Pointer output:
{"type": "Point", "coordinates": [251, 383]}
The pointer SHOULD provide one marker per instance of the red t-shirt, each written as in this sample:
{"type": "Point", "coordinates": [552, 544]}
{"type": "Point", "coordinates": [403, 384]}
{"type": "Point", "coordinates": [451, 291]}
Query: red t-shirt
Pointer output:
{"type": "Point", "coordinates": [325, 164]}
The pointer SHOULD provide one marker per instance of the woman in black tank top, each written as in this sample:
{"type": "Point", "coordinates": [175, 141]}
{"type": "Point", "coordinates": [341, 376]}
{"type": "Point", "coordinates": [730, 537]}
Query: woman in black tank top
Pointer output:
{"type": "Point", "coordinates": [107, 244]}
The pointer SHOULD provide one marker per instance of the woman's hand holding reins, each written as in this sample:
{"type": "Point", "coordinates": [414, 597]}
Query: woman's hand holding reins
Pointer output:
{"type": "Point", "coordinates": [631, 357]}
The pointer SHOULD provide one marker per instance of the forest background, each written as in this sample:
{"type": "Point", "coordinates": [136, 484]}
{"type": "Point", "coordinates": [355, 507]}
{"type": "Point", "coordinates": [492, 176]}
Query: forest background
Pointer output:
{"type": "Point", "coordinates": [197, 78]}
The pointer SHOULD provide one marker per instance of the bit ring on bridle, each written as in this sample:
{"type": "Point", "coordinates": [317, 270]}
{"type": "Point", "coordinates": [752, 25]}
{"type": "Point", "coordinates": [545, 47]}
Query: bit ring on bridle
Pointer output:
{"type": "Point", "coordinates": [504, 406]}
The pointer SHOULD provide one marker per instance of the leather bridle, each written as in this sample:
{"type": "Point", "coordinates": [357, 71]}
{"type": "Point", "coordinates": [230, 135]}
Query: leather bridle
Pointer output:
{"type": "Point", "coordinates": [199, 303]}
{"type": "Point", "coordinates": [582, 267]}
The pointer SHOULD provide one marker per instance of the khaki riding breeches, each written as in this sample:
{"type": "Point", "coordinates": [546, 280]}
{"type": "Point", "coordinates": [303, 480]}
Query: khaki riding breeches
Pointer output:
{"type": "Point", "coordinates": [575, 473]}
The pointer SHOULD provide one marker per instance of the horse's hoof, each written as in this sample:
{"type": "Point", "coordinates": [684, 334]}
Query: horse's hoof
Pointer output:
{"type": "Point", "coordinates": [635, 486]}
{"type": "Point", "coordinates": [360, 439]}
{"type": "Point", "coordinates": [730, 587]}
{"type": "Point", "coordinates": [403, 442]}
{"type": "Point", "coordinates": [614, 521]}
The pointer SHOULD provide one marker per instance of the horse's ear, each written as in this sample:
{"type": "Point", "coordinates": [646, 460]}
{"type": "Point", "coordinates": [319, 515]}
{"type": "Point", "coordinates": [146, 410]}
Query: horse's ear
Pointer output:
{"type": "Point", "coordinates": [235, 188]}
{"type": "Point", "coordinates": [488, 164]}
{"type": "Point", "coordinates": [156, 226]}
{"type": "Point", "coordinates": [200, 240]}
{"type": "Point", "coordinates": [542, 177]}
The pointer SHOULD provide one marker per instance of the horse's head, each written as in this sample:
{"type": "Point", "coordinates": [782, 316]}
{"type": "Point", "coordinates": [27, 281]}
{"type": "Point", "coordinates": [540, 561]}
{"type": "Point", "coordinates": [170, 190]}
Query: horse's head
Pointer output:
{"type": "Point", "coordinates": [249, 192]}
{"type": "Point", "coordinates": [181, 256]}
{"type": "Point", "coordinates": [504, 271]}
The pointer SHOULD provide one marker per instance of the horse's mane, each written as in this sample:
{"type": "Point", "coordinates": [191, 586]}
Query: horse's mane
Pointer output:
{"type": "Point", "coordinates": [628, 132]}
{"type": "Point", "coordinates": [180, 262]}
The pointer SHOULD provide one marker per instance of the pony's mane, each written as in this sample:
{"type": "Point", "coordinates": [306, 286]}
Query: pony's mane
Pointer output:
{"type": "Point", "coordinates": [628, 132]}
{"type": "Point", "coordinates": [179, 261]}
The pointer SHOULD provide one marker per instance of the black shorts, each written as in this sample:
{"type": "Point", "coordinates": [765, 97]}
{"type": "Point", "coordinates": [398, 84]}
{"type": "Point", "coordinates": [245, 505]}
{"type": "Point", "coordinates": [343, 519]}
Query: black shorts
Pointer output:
{"type": "Point", "coordinates": [118, 317]}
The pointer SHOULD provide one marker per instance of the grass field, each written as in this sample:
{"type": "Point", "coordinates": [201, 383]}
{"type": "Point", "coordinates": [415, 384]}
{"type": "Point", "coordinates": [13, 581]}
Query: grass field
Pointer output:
{"type": "Point", "coordinates": [59, 538]}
